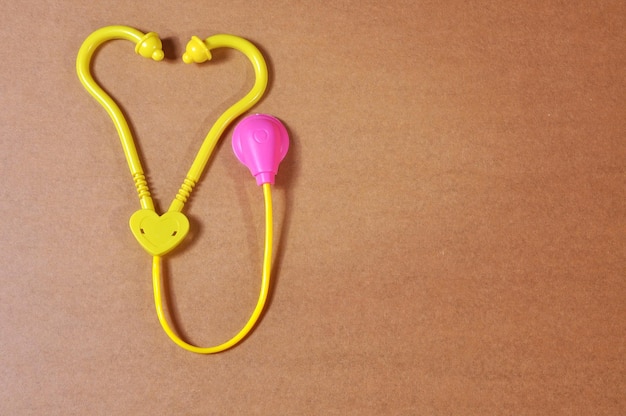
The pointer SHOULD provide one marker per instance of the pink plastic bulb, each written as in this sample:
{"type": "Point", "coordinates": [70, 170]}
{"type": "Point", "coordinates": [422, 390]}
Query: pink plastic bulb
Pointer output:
{"type": "Point", "coordinates": [260, 142]}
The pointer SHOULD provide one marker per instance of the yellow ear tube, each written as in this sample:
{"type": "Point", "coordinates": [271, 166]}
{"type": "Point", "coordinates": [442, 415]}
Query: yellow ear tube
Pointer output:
{"type": "Point", "coordinates": [200, 51]}
{"type": "Point", "coordinates": [147, 45]}
{"type": "Point", "coordinates": [160, 234]}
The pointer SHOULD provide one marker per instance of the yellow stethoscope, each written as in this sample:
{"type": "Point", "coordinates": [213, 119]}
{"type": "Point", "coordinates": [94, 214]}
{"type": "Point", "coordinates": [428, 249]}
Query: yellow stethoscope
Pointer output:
{"type": "Point", "coordinates": [259, 141]}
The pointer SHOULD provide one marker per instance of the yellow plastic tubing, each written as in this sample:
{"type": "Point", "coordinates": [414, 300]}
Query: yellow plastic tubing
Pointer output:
{"type": "Point", "coordinates": [149, 46]}
{"type": "Point", "coordinates": [265, 284]}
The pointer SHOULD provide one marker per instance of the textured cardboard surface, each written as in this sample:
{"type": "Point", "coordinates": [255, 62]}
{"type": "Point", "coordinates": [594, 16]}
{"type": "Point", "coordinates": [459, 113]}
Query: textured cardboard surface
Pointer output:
{"type": "Point", "coordinates": [450, 219]}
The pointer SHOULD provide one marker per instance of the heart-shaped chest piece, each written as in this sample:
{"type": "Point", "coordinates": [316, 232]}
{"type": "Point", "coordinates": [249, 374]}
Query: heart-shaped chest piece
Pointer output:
{"type": "Point", "coordinates": [159, 234]}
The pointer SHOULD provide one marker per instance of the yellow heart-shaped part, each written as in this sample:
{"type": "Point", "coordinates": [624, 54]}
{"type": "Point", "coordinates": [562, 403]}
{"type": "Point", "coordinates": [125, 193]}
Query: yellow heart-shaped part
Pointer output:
{"type": "Point", "coordinates": [159, 234]}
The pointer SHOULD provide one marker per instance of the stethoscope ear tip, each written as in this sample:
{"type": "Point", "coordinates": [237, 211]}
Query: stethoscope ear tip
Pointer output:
{"type": "Point", "coordinates": [150, 46]}
{"type": "Point", "coordinates": [196, 51]}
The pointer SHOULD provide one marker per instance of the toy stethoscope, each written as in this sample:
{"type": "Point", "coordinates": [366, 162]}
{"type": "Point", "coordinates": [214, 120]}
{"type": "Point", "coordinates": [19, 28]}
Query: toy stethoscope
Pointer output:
{"type": "Point", "coordinates": [259, 141]}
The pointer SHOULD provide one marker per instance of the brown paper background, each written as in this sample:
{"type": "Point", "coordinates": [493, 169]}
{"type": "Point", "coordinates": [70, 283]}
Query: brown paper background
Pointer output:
{"type": "Point", "coordinates": [450, 220]}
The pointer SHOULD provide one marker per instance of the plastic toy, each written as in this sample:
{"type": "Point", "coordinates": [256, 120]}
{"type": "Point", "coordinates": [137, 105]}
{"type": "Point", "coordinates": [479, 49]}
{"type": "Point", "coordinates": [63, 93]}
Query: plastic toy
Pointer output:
{"type": "Point", "coordinates": [259, 141]}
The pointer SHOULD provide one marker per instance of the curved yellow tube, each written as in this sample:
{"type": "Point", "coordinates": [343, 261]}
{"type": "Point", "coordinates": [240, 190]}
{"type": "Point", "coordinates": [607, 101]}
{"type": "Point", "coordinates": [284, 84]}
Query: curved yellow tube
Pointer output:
{"type": "Point", "coordinates": [199, 51]}
{"type": "Point", "coordinates": [149, 46]}
{"type": "Point", "coordinates": [265, 284]}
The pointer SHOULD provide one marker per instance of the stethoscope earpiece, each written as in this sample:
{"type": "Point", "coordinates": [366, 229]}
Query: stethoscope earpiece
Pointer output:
{"type": "Point", "coordinates": [196, 51]}
{"type": "Point", "coordinates": [150, 46]}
